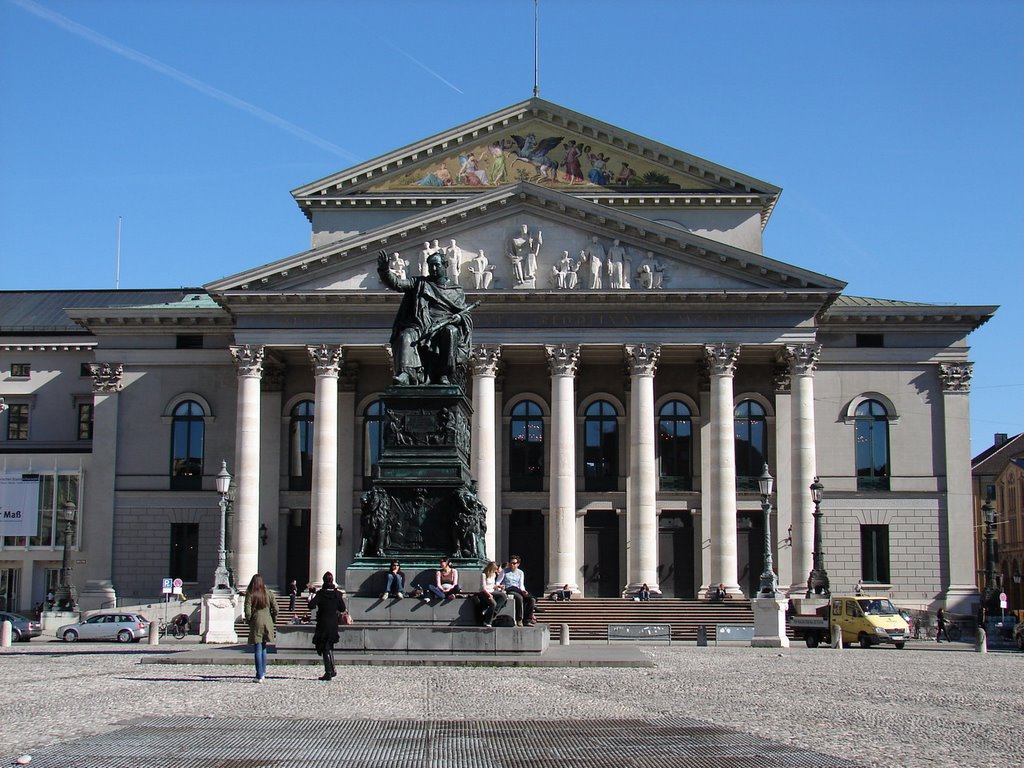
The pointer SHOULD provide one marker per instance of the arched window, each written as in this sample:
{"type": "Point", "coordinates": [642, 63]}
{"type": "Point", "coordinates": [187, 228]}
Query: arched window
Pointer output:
{"type": "Point", "coordinates": [871, 443]}
{"type": "Point", "coordinates": [600, 447]}
{"type": "Point", "coordinates": [675, 447]}
{"type": "Point", "coordinates": [373, 438]}
{"type": "Point", "coordinates": [187, 432]}
{"type": "Point", "coordinates": [300, 447]}
{"type": "Point", "coordinates": [526, 447]}
{"type": "Point", "coordinates": [751, 444]}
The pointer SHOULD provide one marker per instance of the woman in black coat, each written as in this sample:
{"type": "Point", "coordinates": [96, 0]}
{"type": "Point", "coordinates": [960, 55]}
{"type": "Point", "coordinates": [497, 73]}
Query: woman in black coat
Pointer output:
{"type": "Point", "coordinates": [328, 602]}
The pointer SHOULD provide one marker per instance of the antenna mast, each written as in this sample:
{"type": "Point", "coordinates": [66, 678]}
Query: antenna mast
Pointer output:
{"type": "Point", "coordinates": [117, 266]}
{"type": "Point", "coordinates": [536, 84]}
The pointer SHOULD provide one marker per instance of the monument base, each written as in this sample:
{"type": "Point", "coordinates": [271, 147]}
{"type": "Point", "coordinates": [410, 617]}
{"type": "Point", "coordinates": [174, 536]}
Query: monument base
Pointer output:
{"type": "Point", "coordinates": [217, 624]}
{"type": "Point", "coordinates": [769, 622]}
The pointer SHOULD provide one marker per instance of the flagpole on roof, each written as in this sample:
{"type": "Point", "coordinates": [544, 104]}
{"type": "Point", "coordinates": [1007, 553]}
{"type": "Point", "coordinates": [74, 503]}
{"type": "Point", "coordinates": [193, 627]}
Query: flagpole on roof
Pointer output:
{"type": "Point", "coordinates": [117, 265]}
{"type": "Point", "coordinates": [536, 83]}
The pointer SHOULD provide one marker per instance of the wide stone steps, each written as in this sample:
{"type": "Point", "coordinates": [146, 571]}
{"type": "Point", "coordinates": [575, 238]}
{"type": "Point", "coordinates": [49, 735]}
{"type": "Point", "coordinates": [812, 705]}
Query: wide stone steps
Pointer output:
{"type": "Point", "coordinates": [588, 618]}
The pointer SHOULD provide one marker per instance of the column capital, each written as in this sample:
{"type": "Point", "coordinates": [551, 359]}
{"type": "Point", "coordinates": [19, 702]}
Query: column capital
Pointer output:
{"type": "Point", "coordinates": [485, 358]}
{"type": "Point", "coordinates": [956, 377]}
{"type": "Point", "coordinates": [106, 378]}
{"type": "Point", "coordinates": [721, 358]}
{"type": "Point", "coordinates": [348, 377]}
{"type": "Point", "coordinates": [802, 358]}
{"type": "Point", "coordinates": [326, 359]}
{"type": "Point", "coordinates": [642, 359]}
{"type": "Point", "coordinates": [563, 359]}
{"type": "Point", "coordinates": [248, 360]}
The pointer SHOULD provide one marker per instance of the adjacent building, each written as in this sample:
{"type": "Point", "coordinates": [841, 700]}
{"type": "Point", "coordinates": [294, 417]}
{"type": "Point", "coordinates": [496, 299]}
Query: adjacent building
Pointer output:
{"type": "Point", "coordinates": [638, 361]}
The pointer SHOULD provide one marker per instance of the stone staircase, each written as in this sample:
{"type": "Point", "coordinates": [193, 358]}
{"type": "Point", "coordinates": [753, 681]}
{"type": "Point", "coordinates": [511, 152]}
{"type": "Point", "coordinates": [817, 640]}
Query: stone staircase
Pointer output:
{"type": "Point", "coordinates": [588, 618]}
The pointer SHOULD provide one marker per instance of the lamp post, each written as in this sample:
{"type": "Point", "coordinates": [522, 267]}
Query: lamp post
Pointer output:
{"type": "Point", "coordinates": [817, 582]}
{"type": "Point", "coordinates": [66, 597]}
{"type": "Point", "coordinates": [769, 582]}
{"type": "Point", "coordinates": [990, 597]}
{"type": "Point", "coordinates": [221, 577]}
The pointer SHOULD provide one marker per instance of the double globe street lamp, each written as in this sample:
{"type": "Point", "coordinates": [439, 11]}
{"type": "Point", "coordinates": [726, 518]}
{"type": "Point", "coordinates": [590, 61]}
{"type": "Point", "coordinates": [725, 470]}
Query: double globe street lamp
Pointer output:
{"type": "Point", "coordinates": [817, 582]}
{"type": "Point", "coordinates": [769, 582]}
{"type": "Point", "coordinates": [221, 576]}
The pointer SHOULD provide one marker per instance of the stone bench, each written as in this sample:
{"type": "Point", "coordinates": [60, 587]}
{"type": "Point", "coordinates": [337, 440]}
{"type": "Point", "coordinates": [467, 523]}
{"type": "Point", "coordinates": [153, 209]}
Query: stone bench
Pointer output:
{"type": "Point", "coordinates": [411, 638]}
{"type": "Point", "coordinates": [733, 633]}
{"type": "Point", "coordinates": [640, 632]}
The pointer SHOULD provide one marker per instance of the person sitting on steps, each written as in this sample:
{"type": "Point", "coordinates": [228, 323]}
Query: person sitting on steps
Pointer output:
{"type": "Point", "coordinates": [514, 582]}
{"type": "Point", "coordinates": [446, 582]}
{"type": "Point", "coordinates": [395, 586]}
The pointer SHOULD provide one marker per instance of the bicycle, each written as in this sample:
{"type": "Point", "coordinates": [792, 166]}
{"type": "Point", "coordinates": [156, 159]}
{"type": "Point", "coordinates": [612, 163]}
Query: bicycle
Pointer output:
{"type": "Point", "coordinates": [178, 626]}
{"type": "Point", "coordinates": [927, 631]}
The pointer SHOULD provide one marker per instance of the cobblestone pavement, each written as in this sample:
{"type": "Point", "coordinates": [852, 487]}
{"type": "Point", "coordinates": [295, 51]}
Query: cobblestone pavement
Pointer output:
{"type": "Point", "coordinates": [879, 707]}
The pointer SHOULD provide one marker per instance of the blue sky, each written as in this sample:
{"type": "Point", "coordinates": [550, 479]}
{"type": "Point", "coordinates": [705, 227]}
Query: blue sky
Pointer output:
{"type": "Point", "coordinates": [894, 128]}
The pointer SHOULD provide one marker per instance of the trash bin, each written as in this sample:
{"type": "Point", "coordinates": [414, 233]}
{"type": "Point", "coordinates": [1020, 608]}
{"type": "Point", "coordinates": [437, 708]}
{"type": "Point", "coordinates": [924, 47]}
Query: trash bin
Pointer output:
{"type": "Point", "coordinates": [702, 635]}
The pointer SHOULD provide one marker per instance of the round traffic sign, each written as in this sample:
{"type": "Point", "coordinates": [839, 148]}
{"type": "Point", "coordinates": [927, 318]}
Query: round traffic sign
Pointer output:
{"type": "Point", "coordinates": [178, 582]}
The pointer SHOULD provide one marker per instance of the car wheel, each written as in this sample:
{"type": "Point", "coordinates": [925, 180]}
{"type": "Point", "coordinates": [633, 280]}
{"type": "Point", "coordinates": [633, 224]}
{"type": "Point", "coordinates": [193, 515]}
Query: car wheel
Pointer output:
{"type": "Point", "coordinates": [865, 641]}
{"type": "Point", "coordinates": [811, 640]}
{"type": "Point", "coordinates": [15, 635]}
{"type": "Point", "coordinates": [899, 646]}
{"type": "Point", "coordinates": [1020, 642]}
{"type": "Point", "coordinates": [70, 636]}
{"type": "Point", "coordinates": [124, 636]}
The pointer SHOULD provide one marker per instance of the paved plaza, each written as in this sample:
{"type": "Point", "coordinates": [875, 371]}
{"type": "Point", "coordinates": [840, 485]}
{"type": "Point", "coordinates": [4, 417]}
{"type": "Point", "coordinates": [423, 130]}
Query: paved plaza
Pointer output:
{"type": "Point", "coordinates": [75, 705]}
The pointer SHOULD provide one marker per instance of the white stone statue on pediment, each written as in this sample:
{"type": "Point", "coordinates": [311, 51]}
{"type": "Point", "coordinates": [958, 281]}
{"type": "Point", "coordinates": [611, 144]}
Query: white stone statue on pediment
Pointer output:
{"type": "Point", "coordinates": [427, 250]}
{"type": "Point", "coordinates": [564, 274]}
{"type": "Point", "coordinates": [617, 276]}
{"type": "Point", "coordinates": [595, 257]}
{"type": "Point", "coordinates": [453, 254]}
{"type": "Point", "coordinates": [481, 269]}
{"type": "Point", "coordinates": [651, 274]}
{"type": "Point", "coordinates": [524, 249]}
{"type": "Point", "coordinates": [397, 265]}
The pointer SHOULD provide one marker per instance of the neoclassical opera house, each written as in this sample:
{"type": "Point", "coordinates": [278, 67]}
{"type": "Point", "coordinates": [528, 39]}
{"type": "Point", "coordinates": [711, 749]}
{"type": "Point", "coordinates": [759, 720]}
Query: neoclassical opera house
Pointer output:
{"type": "Point", "coordinates": [637, 360]}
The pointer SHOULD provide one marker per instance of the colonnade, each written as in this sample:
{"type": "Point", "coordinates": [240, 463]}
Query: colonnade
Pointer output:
{"type": "Point", "coordinates": [718, 493]}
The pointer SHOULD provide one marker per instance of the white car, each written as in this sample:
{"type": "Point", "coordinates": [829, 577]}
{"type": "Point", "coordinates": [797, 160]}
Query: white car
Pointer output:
{"type": "Point", "coordinates": [123, 627]}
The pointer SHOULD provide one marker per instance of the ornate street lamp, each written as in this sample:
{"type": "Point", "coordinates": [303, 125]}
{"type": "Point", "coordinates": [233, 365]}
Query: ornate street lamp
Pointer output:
{"type": "Point", "coordinates": [769, 582]}
{"type": "Point", "coordinates": [66, 594]}
{"type": "Point", "coordinates": [817, 582]}
{"type": "Point", "coordinates": [990, 597]}
{"type": "Point", "coordinates": [221, 577]}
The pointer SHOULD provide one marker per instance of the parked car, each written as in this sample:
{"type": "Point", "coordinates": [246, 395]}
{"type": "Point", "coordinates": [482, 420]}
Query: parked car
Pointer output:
{"type": "Point", "coordinates": [22, 627]}
{"type": "Point", "coordinates": [123, 627]}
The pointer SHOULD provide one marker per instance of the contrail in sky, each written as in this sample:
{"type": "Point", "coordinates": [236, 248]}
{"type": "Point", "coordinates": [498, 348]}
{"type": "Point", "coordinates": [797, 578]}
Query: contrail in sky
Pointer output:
{"type": "Point", "coordinates": [419, 63]}
{"type": "Point", "coordinates": [164, 69]}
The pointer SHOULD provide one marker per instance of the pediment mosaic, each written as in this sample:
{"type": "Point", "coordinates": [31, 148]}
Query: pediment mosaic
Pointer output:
{"type": "Point", "coordinates": [540, 153]}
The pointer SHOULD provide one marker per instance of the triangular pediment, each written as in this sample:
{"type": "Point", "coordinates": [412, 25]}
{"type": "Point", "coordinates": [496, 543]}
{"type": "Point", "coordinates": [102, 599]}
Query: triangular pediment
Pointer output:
{"type": "Point", "coordinates": [542, 143]}
{"type": "Point", "coordinates": [567, 233]}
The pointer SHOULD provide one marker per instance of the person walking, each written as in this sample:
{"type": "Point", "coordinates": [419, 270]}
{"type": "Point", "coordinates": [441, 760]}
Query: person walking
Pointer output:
{"type": "Point", "coordinates": [940, 622]}
{"type": "Point", "coordinates": [260, 615]}
{"type": "Point", "coordinates": [329, 603]}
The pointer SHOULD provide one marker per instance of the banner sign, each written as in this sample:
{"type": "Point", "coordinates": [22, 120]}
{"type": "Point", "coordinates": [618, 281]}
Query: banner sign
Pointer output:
{"type": "Point", "coordinates": [19, 505]}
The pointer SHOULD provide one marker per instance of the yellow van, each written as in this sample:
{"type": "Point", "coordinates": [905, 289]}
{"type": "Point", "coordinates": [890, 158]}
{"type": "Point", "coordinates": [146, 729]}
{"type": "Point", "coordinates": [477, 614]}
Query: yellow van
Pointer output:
{"type": "Point", "coordinates": [869, 621]}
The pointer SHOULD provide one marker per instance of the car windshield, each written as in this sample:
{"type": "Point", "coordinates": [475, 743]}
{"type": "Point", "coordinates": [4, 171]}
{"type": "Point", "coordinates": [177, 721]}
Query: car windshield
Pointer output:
{"type": "Point", "coordinates": [877, 607]}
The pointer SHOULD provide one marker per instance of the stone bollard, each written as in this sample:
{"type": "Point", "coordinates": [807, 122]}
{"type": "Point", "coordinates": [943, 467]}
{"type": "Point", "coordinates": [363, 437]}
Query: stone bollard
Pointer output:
{"type": "Point", "coordinates": [981, 643]}
{"type": "Point", "coordinates": [154, 633]}
{"type": "Point", "coordinates": [837, 637]}
{"type": "Point", "coordinates": [5, 634]}
{"type": "Point", "coordinates": [702, 635]}
{"type": "Point", "coordinates": [563, 635]}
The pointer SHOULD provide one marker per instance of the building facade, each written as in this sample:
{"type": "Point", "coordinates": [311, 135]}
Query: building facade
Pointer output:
{"type": "Point", "coordinates": [637, 361]}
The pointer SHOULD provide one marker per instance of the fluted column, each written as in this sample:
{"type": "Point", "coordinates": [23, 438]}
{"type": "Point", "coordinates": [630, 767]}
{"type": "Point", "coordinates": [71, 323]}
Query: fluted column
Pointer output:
{"type": "Point", "coordinates": [642, 502]}
{"type": "Point", "coordinates": [324, 498]}
{"type": "Point", "coordinates": [802, 358]}
{"type": "Point", "coordinates": [249, 366]}
{"type": "Point", "coordinates": [956, 389]}
{"type": "Point", "coordinates": [483, 457]}
{"type": "Point", "coordinates": [347, 438]}
{"type": "Point", "coordinates": [721, 360]}
{"type": "Point", "coordinates": [562, 360]}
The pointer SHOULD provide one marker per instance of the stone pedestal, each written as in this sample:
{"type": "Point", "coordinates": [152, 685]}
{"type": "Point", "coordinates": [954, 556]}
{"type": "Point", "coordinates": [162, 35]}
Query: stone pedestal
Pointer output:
{"type": "Point", "coordinates": [53, 620]}
{"type": "Point", "coordinates": [769, 623]}
{"type": "Point", "coordinates": [97, 594]}
{"type": "Point", "coordinates": [218, 618]}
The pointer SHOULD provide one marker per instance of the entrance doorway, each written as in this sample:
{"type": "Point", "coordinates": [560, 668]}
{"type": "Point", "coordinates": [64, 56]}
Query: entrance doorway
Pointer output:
{"type": "Point", "coordinates": [601, 554]}
{"type": "Point", "coordinates": [527, 538]}
{"type": "Point", "coordinates": [675, 554]}
{"type": "Point", "coordinates": [297, 557]}
{"type": "Point", "coordinates": [749, 551]}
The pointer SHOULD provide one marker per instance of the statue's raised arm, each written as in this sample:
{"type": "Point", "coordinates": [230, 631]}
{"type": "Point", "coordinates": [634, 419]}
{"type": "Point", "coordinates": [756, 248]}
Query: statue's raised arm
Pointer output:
{"type": "Point", "coordinates": [431, 336]}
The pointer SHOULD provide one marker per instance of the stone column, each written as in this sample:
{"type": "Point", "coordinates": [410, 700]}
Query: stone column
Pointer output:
{"type": "Point", "coordinates": [97, 520]}
{"type": "Point", "coordinates": [783, 470]}
{"type": "Point", "coordinates": [323, 548]}
{"type": "Point", "coordinates": [702, 527]}
{"type": "Point", "coordinates": [721, 359]}
{"type": "Point", "coordinates": [962, 593]}
{"type": "Point", "coordinates": [249, 365]}
{"type": "Point", "coordinates": [483, 456]}
{"type": "Point", "coordinates": [562, 360]}
{"type": "Point", "coordinates": [642, 500]}
{"type": "Point", "coordinates": [802, 359]}
{"type": "Point", "coordinates": [347, 439]}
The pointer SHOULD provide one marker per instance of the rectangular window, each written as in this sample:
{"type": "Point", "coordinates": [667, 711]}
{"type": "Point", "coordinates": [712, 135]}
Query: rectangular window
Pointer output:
{"type": "Point", "coordinates": [85, 421]}
{"type": "Point", "coordinates": [17, 421]}
{"type": "Point", "coordinates": [55, 491]}
{"type": "Point", "coordinates": [189, 341]}
{"type": "Point", "coordinates": [184, 560]}
{"type": "Point", "coordinates": [20, 370]}
{"type": "Point", "coordinates": [874, 554]}
{"type": "Point", "coordinates": [870, 340]}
